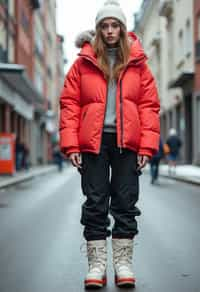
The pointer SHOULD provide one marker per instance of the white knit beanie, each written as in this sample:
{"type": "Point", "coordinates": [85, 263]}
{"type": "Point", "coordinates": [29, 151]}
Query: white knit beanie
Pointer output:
{"type": "Point", "coordinates": [111, 8]}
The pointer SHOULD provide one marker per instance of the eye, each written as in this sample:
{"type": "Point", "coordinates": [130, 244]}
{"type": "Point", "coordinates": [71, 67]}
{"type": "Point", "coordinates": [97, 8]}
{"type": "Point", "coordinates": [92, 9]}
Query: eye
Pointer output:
{"type": "Point", "coordinates": [104, 26]}
{"type": "Point", "coordinates": [115, 25]}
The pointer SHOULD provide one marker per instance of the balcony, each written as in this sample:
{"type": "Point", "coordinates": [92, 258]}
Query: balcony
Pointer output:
{"type": "Point", "coordinates": [166, 8]}
{"type": "Point", "coordinates": [15, 76]}
{"type": "Point", "coordinates": [182, 80]}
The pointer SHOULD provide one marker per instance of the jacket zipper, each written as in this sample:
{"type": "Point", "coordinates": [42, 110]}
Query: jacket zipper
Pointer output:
{"type": "Point", "coordinates": [121, 118]}
{"type": "Point", "coordinates": [103, 118]}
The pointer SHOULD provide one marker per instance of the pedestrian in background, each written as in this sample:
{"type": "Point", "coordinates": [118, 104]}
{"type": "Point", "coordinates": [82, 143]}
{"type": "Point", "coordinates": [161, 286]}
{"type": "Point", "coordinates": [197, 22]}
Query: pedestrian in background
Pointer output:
{"type": "Point", "coordinates": [155, 162]}
{"type": "Point", "coordinates": [109, 128]}
{"type": "Point", "coordinates": [19, 153]}
{"type": "Point", "coordinates": [174, 143]}
{"type": "Point", "coordinates": [26, 157]}
{"type": "Point", "coordinates": [58, 157]}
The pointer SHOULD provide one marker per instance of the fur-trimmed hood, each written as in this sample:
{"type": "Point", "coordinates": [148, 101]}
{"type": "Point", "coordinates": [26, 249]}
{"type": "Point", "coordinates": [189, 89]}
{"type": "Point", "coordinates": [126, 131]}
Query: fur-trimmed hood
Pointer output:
{"type": "Point", "coordinates": [84, 37]}
{"type": "Point", "coordinates": [83, 41]}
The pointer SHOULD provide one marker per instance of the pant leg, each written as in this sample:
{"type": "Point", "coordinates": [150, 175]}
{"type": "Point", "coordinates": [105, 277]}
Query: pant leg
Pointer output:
{"type": "Point", "coordinates": [95, 186]}
{"type": "Point", "coordinates": [152, 170]}
{"type": "Point", "coordinates": [19, 158]}
{"type": "Point", "coordinates": [156, 170]}
{"type": "Point", "coordinates": [124, 193]}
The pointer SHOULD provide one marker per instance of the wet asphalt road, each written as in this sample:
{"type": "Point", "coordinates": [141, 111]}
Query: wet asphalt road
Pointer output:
{"type": "Point", "coordinates": [40, 237]}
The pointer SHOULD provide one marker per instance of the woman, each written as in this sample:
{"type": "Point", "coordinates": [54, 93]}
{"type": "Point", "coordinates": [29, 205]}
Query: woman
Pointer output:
{"type": "Point", "coordinates": [109, 121]}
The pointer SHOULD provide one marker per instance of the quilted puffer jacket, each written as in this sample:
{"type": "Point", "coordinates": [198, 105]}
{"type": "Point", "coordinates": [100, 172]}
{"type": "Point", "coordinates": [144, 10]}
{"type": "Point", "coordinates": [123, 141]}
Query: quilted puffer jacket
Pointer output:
{"type": "Point", "coordinates": [83, 104]}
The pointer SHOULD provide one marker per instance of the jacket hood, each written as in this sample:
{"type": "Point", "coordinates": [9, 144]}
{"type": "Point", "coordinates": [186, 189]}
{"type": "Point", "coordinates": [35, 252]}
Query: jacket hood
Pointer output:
{"type": "Point", "coordinates": [85, 39]}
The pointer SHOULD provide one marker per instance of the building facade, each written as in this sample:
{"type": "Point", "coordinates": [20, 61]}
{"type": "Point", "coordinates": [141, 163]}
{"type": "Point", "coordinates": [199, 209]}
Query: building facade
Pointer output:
{"type": "Point", "coordinates": [28, 70]}
{"type": "Point", "coordinates": [59, 79]}
{"type": "Point", "coordinates": [17, 95]}
{"type": "Point", "coordinates": [197, 81]}
{"type": "Point", "coordinates": [44, 74]}
{"type": "Point", "coordinates": [167, 28]}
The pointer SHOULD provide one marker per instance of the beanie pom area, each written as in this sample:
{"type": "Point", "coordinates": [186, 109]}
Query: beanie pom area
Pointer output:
{"type": "Point", "coordinates": [111, 9]}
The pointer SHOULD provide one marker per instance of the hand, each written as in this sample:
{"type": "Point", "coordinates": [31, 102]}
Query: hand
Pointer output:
{"type": "Point", "coordinates": [142, 160]}
{"type": "Point", "coordinates": [75, 159]}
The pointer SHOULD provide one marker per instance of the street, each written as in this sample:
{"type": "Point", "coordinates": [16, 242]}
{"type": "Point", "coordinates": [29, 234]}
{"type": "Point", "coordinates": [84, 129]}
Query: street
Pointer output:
{"type": "Point", "coordinates": [42, 249]}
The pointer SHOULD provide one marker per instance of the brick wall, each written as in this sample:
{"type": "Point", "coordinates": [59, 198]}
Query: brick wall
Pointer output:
{"type": "Point", "coordinates": [24, 35]}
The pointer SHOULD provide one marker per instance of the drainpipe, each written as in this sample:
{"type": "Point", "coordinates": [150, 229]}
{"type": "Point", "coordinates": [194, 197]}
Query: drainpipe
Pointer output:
{"type": "Point", "coordinates": [7, 31]}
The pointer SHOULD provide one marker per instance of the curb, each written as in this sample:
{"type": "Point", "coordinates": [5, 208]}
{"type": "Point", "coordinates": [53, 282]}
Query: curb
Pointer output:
{"type": "Point", "coordinates": [178, 178]}
{"type": "Point", "coordinates": [25, 177]}
{"type": "Point", "coordinates": [182, 179]}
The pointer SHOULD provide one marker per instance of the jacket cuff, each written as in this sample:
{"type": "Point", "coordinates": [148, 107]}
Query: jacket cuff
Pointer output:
{"type": "Point", "coordinates": [146, 151]}
{"type": "Point", "coordinates": [68, 151]}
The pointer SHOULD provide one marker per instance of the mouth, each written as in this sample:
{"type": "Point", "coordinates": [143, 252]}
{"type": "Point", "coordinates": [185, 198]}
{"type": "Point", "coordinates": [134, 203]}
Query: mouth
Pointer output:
{"type": "Point", "coordinates": [110, 38]}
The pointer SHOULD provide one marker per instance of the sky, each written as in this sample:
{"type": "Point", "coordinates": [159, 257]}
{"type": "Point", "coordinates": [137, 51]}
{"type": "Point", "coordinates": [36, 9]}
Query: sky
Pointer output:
{"type": "Point", "coordinates": [75, 16]}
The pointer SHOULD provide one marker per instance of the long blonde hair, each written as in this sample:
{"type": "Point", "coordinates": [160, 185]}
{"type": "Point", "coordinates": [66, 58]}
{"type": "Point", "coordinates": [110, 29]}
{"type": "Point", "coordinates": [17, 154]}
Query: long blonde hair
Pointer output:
{"type": "Point", "coordinates": [122, 57]}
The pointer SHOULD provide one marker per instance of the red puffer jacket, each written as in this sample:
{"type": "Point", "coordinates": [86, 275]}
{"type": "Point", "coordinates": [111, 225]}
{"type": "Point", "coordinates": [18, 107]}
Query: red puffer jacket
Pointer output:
{"type": "Point", "coordinates": [83, 104]}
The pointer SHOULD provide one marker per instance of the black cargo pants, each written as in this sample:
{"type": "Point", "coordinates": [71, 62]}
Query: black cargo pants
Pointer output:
{"type": "Point", "coordinates": [109, 181]}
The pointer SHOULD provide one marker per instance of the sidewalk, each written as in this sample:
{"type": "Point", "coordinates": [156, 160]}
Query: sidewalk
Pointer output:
{"type": "Point", "coordinates": [18, 177]}
{"type": "Point", "coordinates": [186, 173]}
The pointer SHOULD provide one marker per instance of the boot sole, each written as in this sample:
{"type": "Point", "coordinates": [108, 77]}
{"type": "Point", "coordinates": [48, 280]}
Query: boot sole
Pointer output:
{"type": "Point", "coordinates": [93, 283]}
{"type": "Point", "coordinates": [125, 282]}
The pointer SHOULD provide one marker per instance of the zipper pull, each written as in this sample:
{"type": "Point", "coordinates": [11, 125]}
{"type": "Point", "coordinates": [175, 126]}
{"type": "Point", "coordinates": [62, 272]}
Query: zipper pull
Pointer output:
{"type": "Point", "coordinates": [120, 150]}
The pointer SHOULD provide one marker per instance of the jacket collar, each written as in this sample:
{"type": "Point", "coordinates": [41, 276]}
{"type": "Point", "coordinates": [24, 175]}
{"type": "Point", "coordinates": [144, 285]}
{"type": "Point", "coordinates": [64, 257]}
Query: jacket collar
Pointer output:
{"type": "Point", "coordinates": [137, 54]}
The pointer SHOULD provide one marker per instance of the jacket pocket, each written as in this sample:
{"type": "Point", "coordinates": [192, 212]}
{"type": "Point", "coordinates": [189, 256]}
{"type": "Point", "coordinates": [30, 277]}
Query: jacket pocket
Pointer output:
{"type": "Point", "coordinates": [89, 126]}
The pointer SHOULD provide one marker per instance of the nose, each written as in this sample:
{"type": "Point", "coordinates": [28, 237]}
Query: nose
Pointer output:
{"type": "Point", "coordinates": [109, 29]}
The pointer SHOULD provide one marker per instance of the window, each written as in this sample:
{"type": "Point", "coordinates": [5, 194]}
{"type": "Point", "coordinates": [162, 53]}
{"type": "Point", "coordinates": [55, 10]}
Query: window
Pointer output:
{"type": "Point", "coordinates": [170, 119]}
{"type": "Point", "coordinates": [197, 44]}
{"type": "Point", "coordinates": [39, 81]}
{"type": "Point", "coordinates": [198, 27]}
{"type": "Point", "coordinates": [188, 38]}
{"type": "Point", "coordinates": [25, 21]}
{"type": "Point", "coordinates": [49, 38]}
{"type": "Point", "coordinates": [178, 118]}
{"type": "Point", "coordinates": [180, 44]}
{"type": "Point", "coordinates": [49, 72]}
{"type": "Point", "coordinates": [198, 121]}
{"type": "Point", "coordinates": [3, 54]}
{"type": "Point", "coordinates": [2, 42]}
{"type": "Point", "coordinates": [3, 2]}
{"type": "Point", "coordinates": [39, 45]}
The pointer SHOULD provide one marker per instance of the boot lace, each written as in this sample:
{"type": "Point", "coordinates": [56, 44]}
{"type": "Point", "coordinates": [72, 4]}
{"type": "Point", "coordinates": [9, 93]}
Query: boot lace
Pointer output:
{"type": "Point", "coordinates": [123, 255]}
{"type": "Point", "coordinates": [97, 257]}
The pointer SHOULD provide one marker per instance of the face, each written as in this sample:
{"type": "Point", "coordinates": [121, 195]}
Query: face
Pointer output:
{"type": "Point", "coordinates": [110, 29]}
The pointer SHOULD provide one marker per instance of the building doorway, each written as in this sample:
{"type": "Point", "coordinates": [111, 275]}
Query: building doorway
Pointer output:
{"type": "Point", "coordinates": [198, 131]}
{"type": "Point", "coordinates": [188, 129]}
